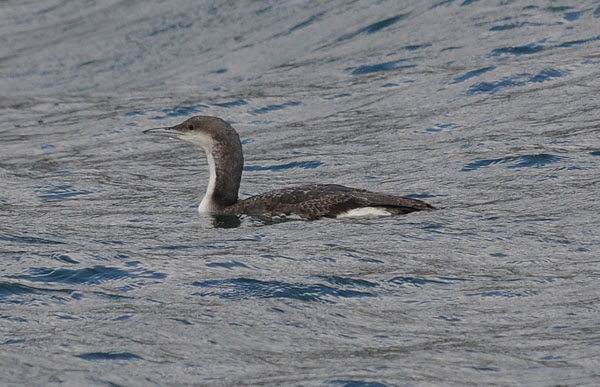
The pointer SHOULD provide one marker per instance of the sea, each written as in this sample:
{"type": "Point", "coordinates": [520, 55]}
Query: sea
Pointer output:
{"type": "Point", "coordinates": [489, 110]}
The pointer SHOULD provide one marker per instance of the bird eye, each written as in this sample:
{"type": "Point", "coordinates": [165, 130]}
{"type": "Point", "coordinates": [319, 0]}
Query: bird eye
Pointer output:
{"type": "Point", "coordinates": [190, 126]}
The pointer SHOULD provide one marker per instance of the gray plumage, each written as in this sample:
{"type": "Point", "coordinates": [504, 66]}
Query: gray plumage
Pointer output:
{"type": "Point", "coordinates": [224, 152]}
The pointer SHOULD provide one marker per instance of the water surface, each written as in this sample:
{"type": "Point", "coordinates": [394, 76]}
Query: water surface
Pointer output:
{"type": "Point", "coordinates": [488, 110]}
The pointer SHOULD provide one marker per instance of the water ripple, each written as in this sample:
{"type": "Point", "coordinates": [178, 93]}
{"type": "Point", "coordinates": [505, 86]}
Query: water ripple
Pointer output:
{"type": "Point", "coordinates": [270, 108]}
{"type": "Point", "coordinates": [345, 281]}
{"type": "Point", "coordinates": [243, 288]}
{"type": "Point", "coordinates": [28, 239]}
{"type": "Point", "coordinates": [386, 66]}
{"type": "Point", "coordinates": [89, 275]}
{"type": "Point", "coordinates": [10, 289]}
{"type": "Point", "coordinates": [516, 81]}
{"type": "Point", "coordinates": [227, 265]}
{"type": "Point", "coordinates": [416, 281]}
{"type": "Point", "coordinates": [92, 356]}
{"type": "Point", "coordinates": [180, 111]}
{"type": "Point", "coordinates": [375, 27]}
{"type": "Point", "coordinates": [579, 42]}
{"type": "Point", "coordinates": [442, 127]}
{"type": "Point", "coordinates": [62, 258]}
{"type": "Point", "coordinates": [572, 16]}
{"type": "Point", "coordinates": [282, 167]}
{"type": "Point", "coordinates": [471, 74]}
{"type": "Point", "coordinates": [504, 293]}
{"type": "Point", "coordinates": [306, 23]}
{"type": "Point", "coordinates": [341, 95]}
{"type": "Point", "coordinates": [60, 192]}
{"type": "Point", "coordinates": [443, 2]}
{"type": "Point", "coordinates": [524, 161]}
{"type": "Point", "coordinates": [356, 383]}
{"type": "Point", "coordinates": [511, 26]}
{"type": "Point", "coordinates": [527, 49]}
{"type": "Point", "coordinates": [237, 102]}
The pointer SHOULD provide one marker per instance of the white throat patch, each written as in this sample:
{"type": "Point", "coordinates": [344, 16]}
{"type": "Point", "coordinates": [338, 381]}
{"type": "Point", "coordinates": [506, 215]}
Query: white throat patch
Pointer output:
{"type": "Point", "coordinates": [207, 143]}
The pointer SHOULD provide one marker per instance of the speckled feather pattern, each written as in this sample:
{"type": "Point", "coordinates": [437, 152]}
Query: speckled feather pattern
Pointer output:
{"type": "Point", "coordinates": [316, 201]}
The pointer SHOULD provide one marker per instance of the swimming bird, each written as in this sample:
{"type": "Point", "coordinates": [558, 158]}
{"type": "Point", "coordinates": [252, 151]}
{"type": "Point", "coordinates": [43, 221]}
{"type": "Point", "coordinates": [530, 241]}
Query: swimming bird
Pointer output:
{"type": "Point", "coordinates": [223, 149]}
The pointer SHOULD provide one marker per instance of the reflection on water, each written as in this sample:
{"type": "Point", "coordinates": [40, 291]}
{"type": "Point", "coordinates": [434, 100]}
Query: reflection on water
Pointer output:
{"type": "Point", "coordinates": [226, 221]}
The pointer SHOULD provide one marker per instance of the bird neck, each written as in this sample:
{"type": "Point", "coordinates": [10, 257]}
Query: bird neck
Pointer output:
{"type": "Point", "coordinates": [225, 163]}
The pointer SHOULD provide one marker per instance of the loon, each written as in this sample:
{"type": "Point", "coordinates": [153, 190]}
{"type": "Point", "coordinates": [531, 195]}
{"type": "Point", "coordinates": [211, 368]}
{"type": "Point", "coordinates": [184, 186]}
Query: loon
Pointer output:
{"type": "Point", "coordinates": [223, 149]}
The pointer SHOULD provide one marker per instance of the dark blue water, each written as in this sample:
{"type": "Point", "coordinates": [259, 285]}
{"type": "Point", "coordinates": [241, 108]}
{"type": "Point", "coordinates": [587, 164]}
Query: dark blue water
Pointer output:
{"type": "Point", "coordinates": [489, 110]}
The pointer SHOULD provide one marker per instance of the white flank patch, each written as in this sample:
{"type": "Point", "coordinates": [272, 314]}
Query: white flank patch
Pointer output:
{"type": "Point", "coordinates": [289, 217]}
{"type": "Point", "coordinates": [364, 211]}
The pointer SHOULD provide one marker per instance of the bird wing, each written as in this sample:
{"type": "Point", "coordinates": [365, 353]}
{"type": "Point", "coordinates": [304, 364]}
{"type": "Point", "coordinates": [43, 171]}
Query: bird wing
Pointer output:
{"type": "Point", "coordinates": [322, 200]}
{"type": "Point", "coordinates": [328, 206]}
{"type": "Point", "coordinates": [395, 204]}
{"type": "Point", "coordinates": [307, 208]}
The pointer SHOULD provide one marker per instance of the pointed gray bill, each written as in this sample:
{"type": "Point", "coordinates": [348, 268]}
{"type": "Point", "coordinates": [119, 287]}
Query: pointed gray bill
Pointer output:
{"type": "Point", "coordinates": [170, 131]}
